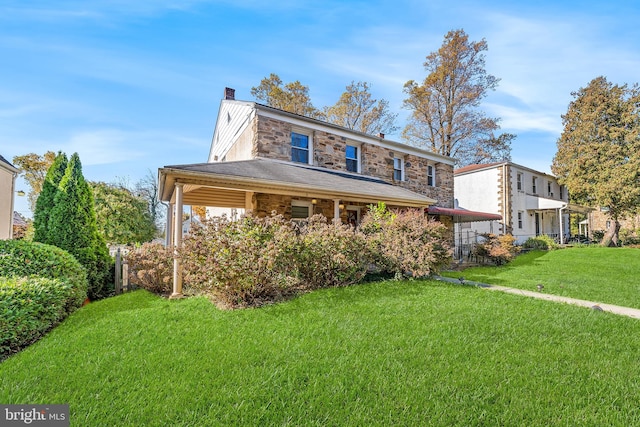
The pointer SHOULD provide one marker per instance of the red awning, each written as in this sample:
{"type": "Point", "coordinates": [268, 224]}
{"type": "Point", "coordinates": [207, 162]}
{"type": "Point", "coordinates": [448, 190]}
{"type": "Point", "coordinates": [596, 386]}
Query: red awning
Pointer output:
{"type": "Point", "coordinates": [464, 215]}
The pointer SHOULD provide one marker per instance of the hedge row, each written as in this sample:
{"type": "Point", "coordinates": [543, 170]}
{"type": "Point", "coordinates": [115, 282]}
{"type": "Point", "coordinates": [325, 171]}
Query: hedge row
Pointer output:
{"type": "Point", "coordinates": [40, 285]}
{"type": "Point", "coordinates": [259, 260]}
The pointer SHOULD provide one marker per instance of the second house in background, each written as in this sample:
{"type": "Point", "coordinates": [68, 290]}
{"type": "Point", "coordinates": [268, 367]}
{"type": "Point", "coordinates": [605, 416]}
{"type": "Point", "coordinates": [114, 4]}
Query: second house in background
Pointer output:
{"type": "Point", "coordinates": [531, 203]}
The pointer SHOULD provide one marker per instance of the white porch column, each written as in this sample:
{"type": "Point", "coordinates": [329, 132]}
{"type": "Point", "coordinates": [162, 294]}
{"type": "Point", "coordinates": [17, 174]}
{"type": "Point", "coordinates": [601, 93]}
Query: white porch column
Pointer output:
{"type": "Point", "coordinates": [168, 237]}
{"type": "Point", "coordinates": [177, 244]}
{"type": "Point", "coordinates": [336, 211]}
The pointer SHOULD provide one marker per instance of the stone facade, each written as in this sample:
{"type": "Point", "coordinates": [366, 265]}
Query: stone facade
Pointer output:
{"type": "Point", "coordinates": [599, 220]}
{"type": "Point", "coordinates": [273, 141]}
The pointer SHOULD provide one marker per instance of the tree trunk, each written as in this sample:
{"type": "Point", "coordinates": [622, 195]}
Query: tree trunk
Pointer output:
{"type": "Point", "coordinates": [611, 236]}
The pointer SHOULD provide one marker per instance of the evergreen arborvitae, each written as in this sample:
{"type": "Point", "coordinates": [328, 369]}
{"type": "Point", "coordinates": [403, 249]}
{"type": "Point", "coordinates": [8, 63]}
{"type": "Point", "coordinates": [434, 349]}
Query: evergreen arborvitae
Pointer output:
{"type": "Point", "coordinates": [46, 199]}
{"type": "Point", "coordinates": [72, 227]}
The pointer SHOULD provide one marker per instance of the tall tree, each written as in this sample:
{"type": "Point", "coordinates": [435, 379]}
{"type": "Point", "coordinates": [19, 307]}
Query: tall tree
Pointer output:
{"type": "Point", "coordinates": [147, 188]}
{"type": "Point", "coordinates": [598, 156]}
{"type": "Point", "coordinates": [445, 114]}
{"type": "Point", "coordinates": [292, 97]}
{"type": "Point", "coordinates": [72, 227]}
{"type": "Point", "coordinates": [46, 197]}
{"type": "Point", "coordinates": [121, 216]}
{"type": "Point", "coordinates": [33, 167]}
{"type": "Point", "coordinates": [357, 110]}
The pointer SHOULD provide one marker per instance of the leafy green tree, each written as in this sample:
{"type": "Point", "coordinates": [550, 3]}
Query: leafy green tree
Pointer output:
{"type": "Point", "coordinates": [445, 117]}
{"type": "Point", "coordinates": [598, 156]}
{"type": "Point", "coordinates": [33, 167]}
{"type": "Point", "coordinates": [45, 201]}
{"type": "Point", "coordinates": [122, 217]}
{"type": "Point", "coordinates": [72, 227]}
{"type": "Point", "coordinates": [292, 97]}
{"type": "Point", "coordinates": [357, 110]}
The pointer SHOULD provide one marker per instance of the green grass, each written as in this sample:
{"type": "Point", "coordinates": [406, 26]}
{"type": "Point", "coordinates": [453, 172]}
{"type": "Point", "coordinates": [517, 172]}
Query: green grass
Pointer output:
{"type": "Point", "coordinates": [606, 275]}
{"type": "Point", "coordinates": [384, 353]}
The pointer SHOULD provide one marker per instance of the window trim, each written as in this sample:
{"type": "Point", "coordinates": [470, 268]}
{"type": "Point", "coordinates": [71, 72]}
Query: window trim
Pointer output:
{"type": "Point", "coordinates": [302, 203]}
{"type": "Point", "coordinates": [401, 159]}
{"type": "Point", "coordinates": [534, 182]}
{"type": "Point", "coordinates": [309, 136]}
{"type": "Point", "coordinates": [431, 176]}
{"type": "Point", "coordinates": [358, 148]}
{"type": "Point", "coordinates": [520, 220]}
{"type": "Point", "coordinates": [519, 180]}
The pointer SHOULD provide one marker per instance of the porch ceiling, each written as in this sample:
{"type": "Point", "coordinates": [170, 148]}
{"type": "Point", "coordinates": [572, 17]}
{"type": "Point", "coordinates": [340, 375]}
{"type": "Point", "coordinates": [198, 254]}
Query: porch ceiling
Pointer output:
{"type": "Point", "coordinates": [227, 182]}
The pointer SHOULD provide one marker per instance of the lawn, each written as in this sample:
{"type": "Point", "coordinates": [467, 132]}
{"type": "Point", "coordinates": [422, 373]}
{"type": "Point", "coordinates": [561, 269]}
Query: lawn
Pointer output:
{"type": "Point", "coordinates": [384, 353]}
{"type": "Point", "coordinates": [594, 273]}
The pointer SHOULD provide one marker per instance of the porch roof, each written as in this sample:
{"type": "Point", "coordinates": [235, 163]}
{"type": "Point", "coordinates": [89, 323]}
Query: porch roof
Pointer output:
{"type": "Point", "coordinates": [464, 215]}
{"type": "Point", "coordinates": [542, 203]}
{"type": "Point", "coordinates": [224, 184]}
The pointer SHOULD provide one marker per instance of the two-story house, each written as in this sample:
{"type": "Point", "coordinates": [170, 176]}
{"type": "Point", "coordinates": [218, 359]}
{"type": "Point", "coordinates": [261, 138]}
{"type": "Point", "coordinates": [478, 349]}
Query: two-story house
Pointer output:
{"type": "Point", "coordinates": [530, 202]}
{"type": "Point", "coordinates": [263, 159]}
{"type": "Point", "coordinates": [8, 174]}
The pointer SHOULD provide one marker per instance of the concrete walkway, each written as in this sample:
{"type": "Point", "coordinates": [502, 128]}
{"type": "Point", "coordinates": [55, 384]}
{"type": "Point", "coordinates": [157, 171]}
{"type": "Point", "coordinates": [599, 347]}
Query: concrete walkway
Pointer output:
{"type": "Point", "coordinates": [616, 309]}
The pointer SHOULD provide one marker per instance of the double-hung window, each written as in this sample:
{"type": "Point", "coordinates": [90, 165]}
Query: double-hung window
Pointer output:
{"type": "Point", "coordinates": [299, 148]}
{"type": "Point", "coordinates": [534, 181]}
{"type": "Point", "coordinates": [301, 210]}
{"type": "Point", "coordinates": [398, 169]}
{"type": "Point", "coordinates": [520, 216]}
{"type": "Point", "coordinates": [431, 176]}
{"type": "Point", "coordinates": [352, 154]}
{"type": "Point", "coordinates": [519, 181]}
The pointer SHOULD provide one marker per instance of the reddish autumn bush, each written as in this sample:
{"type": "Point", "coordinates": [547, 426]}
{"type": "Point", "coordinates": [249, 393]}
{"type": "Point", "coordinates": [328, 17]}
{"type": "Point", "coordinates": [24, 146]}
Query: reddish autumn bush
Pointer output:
{"type": "Point", "coordinates": [499, 249]}
{"type": "Point", "coordinates": [406, 242]}
{"type": "Point", "coordinates": [329, 254]}
{"type": "Point", "coordinates": [241, 263]}
{"type": "Point", "coordinates": [151, 267]}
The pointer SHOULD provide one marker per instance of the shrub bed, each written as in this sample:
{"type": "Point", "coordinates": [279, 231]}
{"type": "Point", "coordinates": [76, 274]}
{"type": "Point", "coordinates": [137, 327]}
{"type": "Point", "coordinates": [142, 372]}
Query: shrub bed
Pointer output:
{"type": "Point", "coordinates": [40, 285]}
{"type": "Point", "coordinates": [542, 243]}
{"type": "Point", "coordinates": [151, 267]}
{"type": "Point", "coordinates": [254, 260]}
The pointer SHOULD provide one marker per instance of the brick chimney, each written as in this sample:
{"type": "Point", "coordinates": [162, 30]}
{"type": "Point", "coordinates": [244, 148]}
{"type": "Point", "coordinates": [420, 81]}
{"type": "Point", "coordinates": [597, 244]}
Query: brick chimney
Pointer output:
{"type": "Point", "coordinates": [229, 93]}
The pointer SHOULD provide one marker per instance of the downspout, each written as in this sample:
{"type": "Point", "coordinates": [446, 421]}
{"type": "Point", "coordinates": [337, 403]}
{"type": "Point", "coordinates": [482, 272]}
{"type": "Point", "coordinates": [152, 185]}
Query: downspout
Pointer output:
{"type": "Point", "coordinates": [561, 222]}
{"type": "Point", "coordinates": [13, 192]}
{"type": "Point", "coordinates": [504, 197]}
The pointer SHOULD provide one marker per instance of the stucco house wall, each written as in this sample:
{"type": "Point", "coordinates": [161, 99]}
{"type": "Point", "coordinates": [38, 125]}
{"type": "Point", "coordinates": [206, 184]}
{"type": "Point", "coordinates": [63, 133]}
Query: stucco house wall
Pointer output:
{"type": "Point", "coordinates": [8, 174]}
{"type": "Point", "coordinates": [528, 200]}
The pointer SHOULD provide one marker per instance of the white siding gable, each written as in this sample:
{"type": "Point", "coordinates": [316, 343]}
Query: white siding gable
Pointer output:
{"type": "Point", "coordinates": [233, 119]}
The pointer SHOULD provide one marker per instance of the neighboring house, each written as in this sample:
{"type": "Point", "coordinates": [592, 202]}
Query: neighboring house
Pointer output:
{"type": "Point", "coordinates": [263, 159]}
{"type": "Point", "coordinates": [531, 202]}
{"type": "Point", "coordinates": [599, 220]}
{"type": "Point", "coordinates": [8, 174]}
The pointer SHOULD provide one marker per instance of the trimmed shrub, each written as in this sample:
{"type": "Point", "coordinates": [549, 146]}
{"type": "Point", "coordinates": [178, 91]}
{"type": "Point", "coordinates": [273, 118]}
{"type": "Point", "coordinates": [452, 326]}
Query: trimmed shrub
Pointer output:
{"type": "Point", "coordinates": [499, 249]}
{"type": "Point", "coordinates": [151, 267]}
{"type": "Point", "coordinates": [543, 243]}
{"type": "Point", "coordinates": [23, 259]}
{"type": "Point", "coordinates": [29, 307]}
{"type": "Point", "coordinates": [241, 263]}
{"type": "Point", "coordinates": [406, 242]}
{"type": "Point", "coordinates": [330, 254]}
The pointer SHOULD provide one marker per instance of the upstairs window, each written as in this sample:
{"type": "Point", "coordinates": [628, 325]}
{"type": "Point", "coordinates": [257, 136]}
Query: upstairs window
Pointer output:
{"type": "Point", "coordinates": [398, 169]}
{"type": "Point", "coordinates": [431, 176]}
{"type": "Point", "coordinates": [549, 192]}
{"type": "Point", "coordinates": [353, 163]}
{"type": "Point", "coordinates": [535, 184]}
{"type": "Point", "coordinates": [299, 148]}
{"type": "Point", "coordinates": [519, 181]}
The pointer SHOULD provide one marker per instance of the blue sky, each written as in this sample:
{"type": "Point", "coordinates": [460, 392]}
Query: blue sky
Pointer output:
{"type": "Point", "coordinates": [135, 85]}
